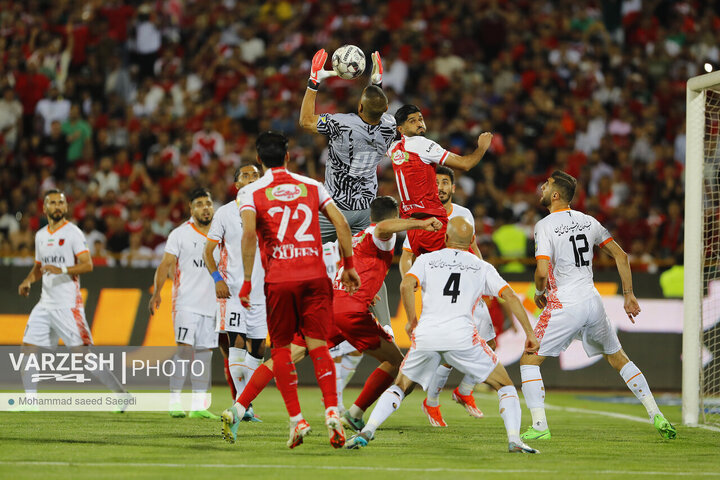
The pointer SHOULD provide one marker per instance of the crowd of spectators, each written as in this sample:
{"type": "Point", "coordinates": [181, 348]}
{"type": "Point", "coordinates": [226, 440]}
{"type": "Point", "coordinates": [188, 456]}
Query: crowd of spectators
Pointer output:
{"type": "Point", "coordinates": [126, 106]}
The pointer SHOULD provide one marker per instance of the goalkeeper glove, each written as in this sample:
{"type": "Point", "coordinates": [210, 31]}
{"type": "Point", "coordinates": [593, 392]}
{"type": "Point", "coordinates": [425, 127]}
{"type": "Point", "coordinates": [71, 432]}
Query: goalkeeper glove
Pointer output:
{"type": "Point", "coordinates": [377, 71]}
{"type": "Point", "coordinates": [317, 70]}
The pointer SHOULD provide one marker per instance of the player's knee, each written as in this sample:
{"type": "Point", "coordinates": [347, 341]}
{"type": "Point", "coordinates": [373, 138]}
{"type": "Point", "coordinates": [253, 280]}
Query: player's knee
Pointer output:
{"type": "Point", "coordinates": [531, 359]}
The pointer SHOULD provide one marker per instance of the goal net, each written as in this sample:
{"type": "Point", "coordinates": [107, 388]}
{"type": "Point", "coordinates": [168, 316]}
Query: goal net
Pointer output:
{"type": "Point", "coordinates": [701, 329]}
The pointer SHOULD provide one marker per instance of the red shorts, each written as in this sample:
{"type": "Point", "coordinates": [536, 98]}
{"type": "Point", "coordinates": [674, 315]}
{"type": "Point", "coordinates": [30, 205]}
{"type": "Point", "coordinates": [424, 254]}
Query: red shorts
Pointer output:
{"type": "Point", "coordinates": [303, 307]}
{"type": "Point", "coordinates": [422, 241]}
{"type": "Point", "coordinates": [360, 329]}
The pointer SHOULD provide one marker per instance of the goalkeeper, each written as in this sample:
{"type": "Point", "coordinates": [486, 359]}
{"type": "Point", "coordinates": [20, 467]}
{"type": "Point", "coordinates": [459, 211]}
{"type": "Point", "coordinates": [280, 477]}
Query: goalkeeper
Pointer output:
{"type": "Point", "coordinates": [356, 144]}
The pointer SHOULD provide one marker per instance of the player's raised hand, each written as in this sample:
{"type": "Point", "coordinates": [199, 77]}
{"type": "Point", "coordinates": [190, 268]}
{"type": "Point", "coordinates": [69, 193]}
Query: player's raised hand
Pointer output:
{"type": "Point", "coordinates": [377, 71]}
{"type": "Point", "coordinates": [632, 308]}
{"type": "Point", "coordinates": [350, 280]}
{"type": "Point", "coordinates": [221, 289]}
{"type": "Point", "coordinates": [532, 344]}
{"type": "Point", "coordinates": [245, 294]}
{"type": "Point", "coordinates": [484, 141]}
{"type": "Point", "coordinates": [432, 224]}
{"type": "Point", "coordinates": [317, 70]}
{"type": "Point", "coordinates": [154, 303]}
{"type": "Point", "coordinates": [24, 288]}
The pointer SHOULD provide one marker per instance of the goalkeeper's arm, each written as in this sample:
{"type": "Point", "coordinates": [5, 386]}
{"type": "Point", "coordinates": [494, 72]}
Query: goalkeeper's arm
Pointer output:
{"type": "Point", "coordinates": [308, 117]}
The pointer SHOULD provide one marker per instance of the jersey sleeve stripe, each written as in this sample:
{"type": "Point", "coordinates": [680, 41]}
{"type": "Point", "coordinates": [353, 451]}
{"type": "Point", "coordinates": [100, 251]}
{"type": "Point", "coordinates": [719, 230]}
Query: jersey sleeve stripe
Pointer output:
{"type": "Point", "coordinates": [444, 157]}
{"type": "Point", "coordinates": [213, 240]}
{"type": "Point", "coordinates": [325, 203]}
{"type": "Point", "coordinates": [405, 249]}
{"type": "Point", "coordinates": [246, 206]}
{"type": "Point", "coordinates": [414, 276]}
{"type": "Point", "coordinates": [39, 263]}
{"type": "Point", "coordinates": [502, 290]}
{"type": "Point", "coordinates": [80, 253]}
{"type": "Point", "coordinates": [542, 257]}
{"type": "Point", "coordinates": [605, 242]}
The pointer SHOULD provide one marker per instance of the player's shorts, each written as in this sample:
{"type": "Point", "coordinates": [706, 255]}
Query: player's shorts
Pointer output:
{"type": "Point", "coordinates": [342, 348]}
{"type": "Point", "coordinates": [195, 329]}
{"type": "Point", "coordinates": [303, 307]}
{"type": "Point", "coordinates": [483, 322]}
{"type": "Point", "coordinates": [586, 321]}
{"type": "Point", "coordinates": [360, 329]}
{"type": "Point", "coordinates": [47, 325]}
{"type": "Point", "coordinates": [231, 316]}
{"type": "Point", "coordinates": [422, 241]}
{"type": "Point", "coordinates": [358, 220]}
{"type": "Point", "coordinates": [478, 362]}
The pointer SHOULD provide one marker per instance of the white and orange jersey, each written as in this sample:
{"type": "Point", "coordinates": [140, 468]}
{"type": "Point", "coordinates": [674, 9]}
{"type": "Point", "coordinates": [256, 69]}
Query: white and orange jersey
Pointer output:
{"type": "Point", "coordinates": [566, 238]}
{"type": "Point", "coordinates": [331, 257]}
{"type": "Point", "coordinates": [226, 230]}
{"type": "Point", "coordinates": [60, 247]}
{"type": "Point", "coordinates": [455, 211]}
{"type": "Point", "coordinates": [453, 282]}
{"type": "Point", "coordinates": [193, 287]}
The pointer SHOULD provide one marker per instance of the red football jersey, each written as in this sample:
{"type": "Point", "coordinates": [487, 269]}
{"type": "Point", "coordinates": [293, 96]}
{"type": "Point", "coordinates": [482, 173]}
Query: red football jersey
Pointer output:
{"type": "Point", "coordinates": [372, 258]}
{"type": "Point", "coordinates": [287, 206]}
{"type": "Point", "coordinates": [414, 160]}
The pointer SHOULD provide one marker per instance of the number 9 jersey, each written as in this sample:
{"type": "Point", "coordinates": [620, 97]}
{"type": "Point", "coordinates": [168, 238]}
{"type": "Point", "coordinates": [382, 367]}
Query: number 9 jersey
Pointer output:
{"type": "Point", "coordinates": [566, 238]}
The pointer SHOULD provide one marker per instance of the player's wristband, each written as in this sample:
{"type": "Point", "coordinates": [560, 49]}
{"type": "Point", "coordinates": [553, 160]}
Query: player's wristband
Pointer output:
{"type": "Point", "coordinates": [627, 292]}
{"type": "Point", "coordinates": [216, 276]}
{"type": "Point", "coordinates": [348, 262]}
{"type": "Point", "coordinates": [313, 85]}
{"type": "Point", "coordinates": [538, 293]}
{"type": "Point", "coordinates": [63, 269]}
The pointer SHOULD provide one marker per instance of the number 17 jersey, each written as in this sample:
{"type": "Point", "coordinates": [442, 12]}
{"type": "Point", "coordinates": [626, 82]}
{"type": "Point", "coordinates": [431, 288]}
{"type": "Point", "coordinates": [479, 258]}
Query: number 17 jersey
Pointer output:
{"type": "Point", "coordinates": [566, 239]}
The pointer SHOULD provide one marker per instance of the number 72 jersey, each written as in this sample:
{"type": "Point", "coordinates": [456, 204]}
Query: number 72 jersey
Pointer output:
{"type": "Point", "coordinates": [566, 239]}
{"type": "Point", "coordinates": [287, 206]}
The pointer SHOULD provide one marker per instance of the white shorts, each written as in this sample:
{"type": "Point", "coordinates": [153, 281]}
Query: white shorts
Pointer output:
{"type": "Point", "coordinates": [342, 348]}
{"type": "Point", "coordinates": [483, 322]}
{"type": "Point", "coordinates": [586, 321]}
{"type": "Point", "coordinates": [195, 329]}
{"type": "Point", "coordinates": [479, 361]}
{"type": "Point", "coordinates": [233, 317]}
{"type": "Point", "coordinates": [46, 326]}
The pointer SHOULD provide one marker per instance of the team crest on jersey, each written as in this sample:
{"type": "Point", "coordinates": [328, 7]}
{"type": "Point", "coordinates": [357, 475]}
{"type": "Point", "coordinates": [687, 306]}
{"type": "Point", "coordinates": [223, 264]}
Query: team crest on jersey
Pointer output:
{"type": "Point", "coordinates": [400, 157]}
{"type": "Point", "coordinates": [286, 192]}
{"type": "Point", "coordinates": [61, 242]}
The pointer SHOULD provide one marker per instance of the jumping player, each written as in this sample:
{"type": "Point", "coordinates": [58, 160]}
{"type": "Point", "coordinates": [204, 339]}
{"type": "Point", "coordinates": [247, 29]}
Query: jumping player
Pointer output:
{"type": "Point", "coordinates": [572, 307]}
{"type": "Point", "coordinates": [280, 213]}
{"type": "Point", "coordinates": [452, 281]}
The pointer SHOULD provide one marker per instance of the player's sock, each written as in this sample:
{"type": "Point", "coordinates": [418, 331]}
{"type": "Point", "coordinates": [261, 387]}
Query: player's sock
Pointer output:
{"type": "Point", "coordinates": [286, 380]}
{"type": "Point", "coordinates": [255, 385]}
{"type": "Point", "coordinates": [509, 405]}
{"type": "Point", "coordinates": [175, 397]}
{"type": "Point", "coordinates": [533, 389]}
{"type": "Point", "coordinates": [467, 385]}
{"type": "Point", "coordinates": [325, 374]}
{"type": "Point", "coordinates": [344, 371]}
{"type": "Point", "coordinates": [236, 359]}
{"type": "Point", "coordinates": [340, 381]}
{"type": "Point", "coordinates": [177, 380]}
{"type": "Point", "coordinates": [249, 366]}
{"type": "Point", "coordinates": [381, 309]}
{"type": "Point", "coordinates": [229, 378]}
{"type": "Point", "coordinates": [637, 384]}
{"type": "Point", "coordinates": [436, 385]}
{"type": "Point", "coordinates": [200, 383]}
{"type": "Point", "coordinates": [108, 378]}
{"type": "Point", "coordinates": [388, 402]}
{"type": "Point", "coordinates": [376, 384]}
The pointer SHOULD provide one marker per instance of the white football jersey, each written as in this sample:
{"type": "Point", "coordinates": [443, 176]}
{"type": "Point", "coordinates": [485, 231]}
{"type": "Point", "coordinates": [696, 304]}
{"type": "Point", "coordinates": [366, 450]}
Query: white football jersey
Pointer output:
{"type": "Point", "coordinates": [226, 229]}
{"type": "Point", "coordinates": [331, 257]}
{"type": "Point", "coordinates": [566, 238]}
{"type": "Point", "coordinates": [193, 287]}
{"type": "Point", "coordinates": [60, 248]}
{"type": "Point", "coordinates": [453, 282]}
{"type": "Point", "coordinates": [457, 211]}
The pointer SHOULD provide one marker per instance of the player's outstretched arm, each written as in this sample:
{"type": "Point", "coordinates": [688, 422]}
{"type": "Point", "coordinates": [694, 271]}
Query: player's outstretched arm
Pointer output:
{"type": "Point", "coordinates": [466, 162]}
{"type": "Point", "coordinates": [407, 292]}
{"type": "Point", "coordinates": [516, 307]}
{"type": "Point", "coordinates": [406, 262]}
{"type": "Point", "coordinates": [248, 248]}
{"type": "Point", "coordinates": [221, 288]}
{"type": "Point", "coordinates": [34, 275]}
{"type": "Point", "coordinates": [632, 308]}
{"type": "Point", "coordinates": [161, 274]}
{"type": "Point", "coordinates": [385, 229]}
{"type": "Point", "coordinates": [308, 118]}
{"type": "Point", "coordinates": [350, 278]}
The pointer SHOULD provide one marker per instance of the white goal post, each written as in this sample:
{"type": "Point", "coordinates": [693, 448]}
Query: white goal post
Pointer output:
{"type": "Point", "coordinates": [702, 202]}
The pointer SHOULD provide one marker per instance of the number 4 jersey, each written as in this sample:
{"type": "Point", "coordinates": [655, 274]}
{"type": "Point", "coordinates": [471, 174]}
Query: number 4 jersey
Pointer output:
{"type": "Point", "coordinates": [566, 238]}
{"type": "Point", "coordinates": [453, 282]}
{"type": "Point", "coordinates": [287, 207]}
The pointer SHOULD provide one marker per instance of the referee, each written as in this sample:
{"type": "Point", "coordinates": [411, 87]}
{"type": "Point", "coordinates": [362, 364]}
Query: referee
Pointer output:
{"type": "Point", "coordinates": [356, 144]}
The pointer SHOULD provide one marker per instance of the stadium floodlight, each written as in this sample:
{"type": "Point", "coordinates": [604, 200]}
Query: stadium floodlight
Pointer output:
{"type": "Point", "coordinates": [701, 337]}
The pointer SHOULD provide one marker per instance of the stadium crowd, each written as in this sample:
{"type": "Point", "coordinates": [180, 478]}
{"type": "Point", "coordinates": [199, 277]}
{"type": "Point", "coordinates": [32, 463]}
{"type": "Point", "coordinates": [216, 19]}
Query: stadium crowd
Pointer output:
{"type": "Point", "coordinates": [126, 106]}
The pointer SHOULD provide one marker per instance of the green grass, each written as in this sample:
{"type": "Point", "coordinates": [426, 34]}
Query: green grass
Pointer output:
{"type": "Point", "coordinates": [152, 445]}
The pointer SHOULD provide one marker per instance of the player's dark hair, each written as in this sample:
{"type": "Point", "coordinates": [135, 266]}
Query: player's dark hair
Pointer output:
{"type": "Point", "coordinates": [443, 170]}
{"type": "Point", "coordinates": [382, 208]}
{"type": "Point", "coordinates": [271, 148]}
{"type": "Point", "coordinates": [564, 184]}
{"type": "Point", "coordinates": [243, 164]}
{"type": "Point", "coordinates": [404, 112]}
{"type": "Point", "coordinates": [374, 101]}
{"type": "Point", "coordinates": [52, 191]}
{"type": "Point", "coordinates": [199, 193]}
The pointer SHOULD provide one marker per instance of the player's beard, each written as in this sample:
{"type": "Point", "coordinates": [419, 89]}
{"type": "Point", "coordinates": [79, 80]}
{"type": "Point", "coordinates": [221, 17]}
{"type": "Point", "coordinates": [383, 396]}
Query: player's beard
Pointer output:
{"type": "Point", "coordinates": [203, 222]}
{"type": "Point", "coordinates": [545, 200]}
{"type": "Point", "coordinates": [447, 198]}
{"type": "Point", "coordinates": [57, 216]}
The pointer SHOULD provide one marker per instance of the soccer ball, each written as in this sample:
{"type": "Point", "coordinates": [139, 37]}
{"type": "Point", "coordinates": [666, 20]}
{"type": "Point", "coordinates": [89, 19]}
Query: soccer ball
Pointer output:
{"type": "Point", "coordinates": [349, 62]}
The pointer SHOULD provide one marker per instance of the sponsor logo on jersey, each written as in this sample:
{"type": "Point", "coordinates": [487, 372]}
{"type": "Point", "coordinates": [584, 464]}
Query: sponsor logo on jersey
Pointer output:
{"type": "Point", "coordinates": [286, 192]}
{"type": "Point", "coordinates": [400, 157]}
{"type": "Point", "coordinates": [290, 251]}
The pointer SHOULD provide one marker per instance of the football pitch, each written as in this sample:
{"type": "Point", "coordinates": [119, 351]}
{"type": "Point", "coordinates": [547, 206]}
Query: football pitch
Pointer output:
{"type": "Point", "coordinates": [592, 438]}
